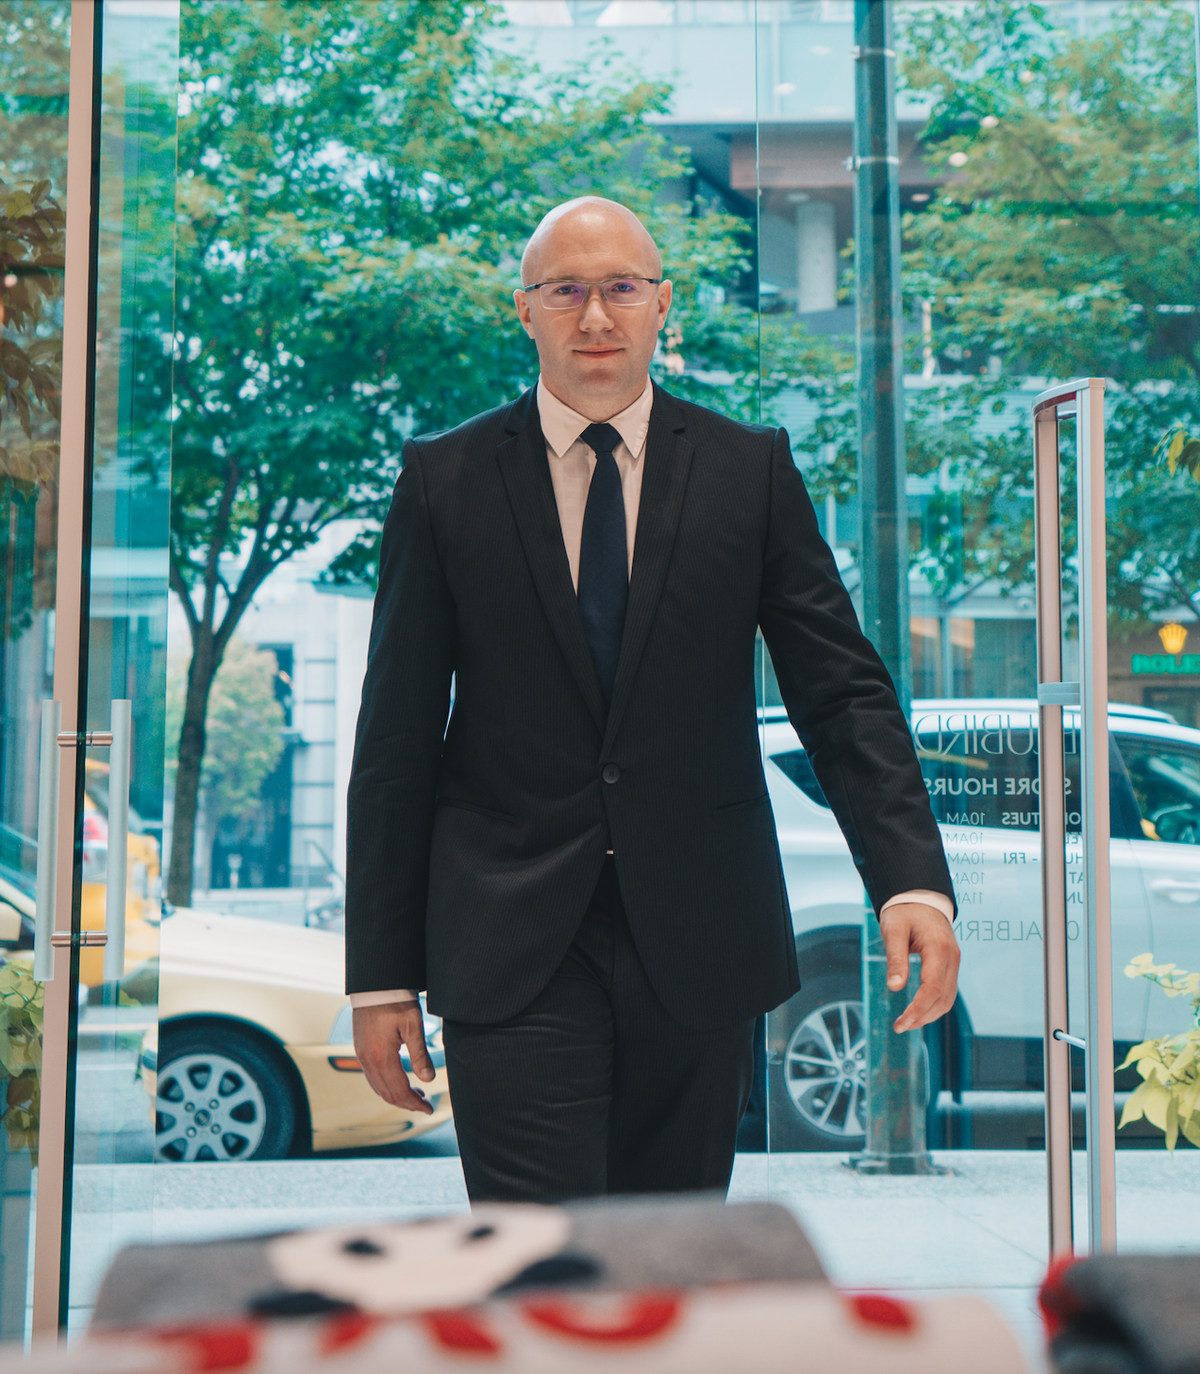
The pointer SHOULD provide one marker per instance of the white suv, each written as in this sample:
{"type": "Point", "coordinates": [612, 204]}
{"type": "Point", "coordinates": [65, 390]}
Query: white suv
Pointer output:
{"type": "Point", "coordinates": [980, 764]}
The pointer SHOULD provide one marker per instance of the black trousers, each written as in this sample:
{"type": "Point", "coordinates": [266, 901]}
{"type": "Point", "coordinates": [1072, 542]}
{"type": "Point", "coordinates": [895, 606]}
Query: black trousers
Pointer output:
{"type": "Point", "coordinates": [594, 1088]}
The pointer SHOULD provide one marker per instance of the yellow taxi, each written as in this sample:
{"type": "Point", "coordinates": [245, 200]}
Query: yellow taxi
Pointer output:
{"type": "Point", "coordinates": [253, 1057]}
{"type": "Point", "coordinates": [142, 881]}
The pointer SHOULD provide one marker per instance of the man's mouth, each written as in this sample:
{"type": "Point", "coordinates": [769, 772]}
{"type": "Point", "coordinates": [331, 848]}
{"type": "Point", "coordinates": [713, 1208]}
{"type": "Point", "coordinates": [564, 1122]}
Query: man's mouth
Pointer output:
{"type": "Point", "coordinates": [597, 352]}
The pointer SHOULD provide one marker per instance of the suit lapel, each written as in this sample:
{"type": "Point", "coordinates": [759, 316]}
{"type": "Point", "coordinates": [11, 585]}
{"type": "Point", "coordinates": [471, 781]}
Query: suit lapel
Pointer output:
{"type": "Point", "coordinates": [668, 460]}
{"type": "Point", "coordinates": [526, 476]}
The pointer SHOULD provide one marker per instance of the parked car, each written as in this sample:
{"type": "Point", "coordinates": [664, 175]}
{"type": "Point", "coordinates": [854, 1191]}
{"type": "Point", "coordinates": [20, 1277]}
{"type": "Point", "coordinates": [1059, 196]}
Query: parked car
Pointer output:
{"type": "Point", "coordinates": [253, 1055]}
{"type": "Point", "coordinates": [980, 764]}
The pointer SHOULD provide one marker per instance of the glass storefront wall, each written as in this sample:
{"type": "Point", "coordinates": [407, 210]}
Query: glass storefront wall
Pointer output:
{"type": "Point", "coordinates": [353, 189]}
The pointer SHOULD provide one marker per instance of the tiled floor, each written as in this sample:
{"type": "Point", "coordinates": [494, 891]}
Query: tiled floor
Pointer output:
{"type": "Point", "coordinates": [980, 1227]}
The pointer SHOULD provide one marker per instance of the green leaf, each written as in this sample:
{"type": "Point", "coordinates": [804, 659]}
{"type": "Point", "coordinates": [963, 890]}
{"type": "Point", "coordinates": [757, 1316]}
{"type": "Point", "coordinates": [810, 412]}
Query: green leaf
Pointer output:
{"type": "Point", "coordinates": [1175, 450]}
{"type": "Point", "coordinates": [1138, 1052]}
{"type": "Point", "coordinates": [1189, 456]}
{"type": "Point", "coordinates": [1171, 1124]}
{"type": "Point", "coordinates": [1184, 1058]}
{"type": "Point", "coordinates": [1155, 1104]}
{"type": "Point", "coordinates": [1135, 1106]}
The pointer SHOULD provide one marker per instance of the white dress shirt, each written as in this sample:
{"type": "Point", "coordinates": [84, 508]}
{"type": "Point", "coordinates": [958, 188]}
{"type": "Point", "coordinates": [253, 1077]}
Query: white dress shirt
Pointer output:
{"type": "Point", "coordinates": [572, 463]}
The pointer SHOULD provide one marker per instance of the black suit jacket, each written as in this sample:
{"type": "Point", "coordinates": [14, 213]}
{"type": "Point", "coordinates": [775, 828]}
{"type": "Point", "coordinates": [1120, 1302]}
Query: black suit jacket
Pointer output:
{"type": "Point", "coordinates": [473, 848]}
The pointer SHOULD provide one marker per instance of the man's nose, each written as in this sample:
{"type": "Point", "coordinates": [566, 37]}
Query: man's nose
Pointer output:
{"type": "Point", "coordinates": [595, 311]}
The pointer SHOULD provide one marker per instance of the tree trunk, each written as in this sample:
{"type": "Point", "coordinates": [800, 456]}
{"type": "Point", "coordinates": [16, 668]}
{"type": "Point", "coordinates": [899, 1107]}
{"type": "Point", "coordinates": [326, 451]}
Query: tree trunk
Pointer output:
{"type": "Point", "coordinates": [201, 671]}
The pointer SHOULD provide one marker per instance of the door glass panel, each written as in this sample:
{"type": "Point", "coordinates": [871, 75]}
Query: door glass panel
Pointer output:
{"type": "Point", "coordinates": [977, 85]}
{"type": "Point", "coordinates": [969, 620]}
{"type": "Point", "coordinates": [1152, 663]}
{"type": "Point", "coordinates": [127, 613]}
{"type": "Point", "coordinates": [34, 59]}
{"type": "Point", "coordinates": [255, 836]}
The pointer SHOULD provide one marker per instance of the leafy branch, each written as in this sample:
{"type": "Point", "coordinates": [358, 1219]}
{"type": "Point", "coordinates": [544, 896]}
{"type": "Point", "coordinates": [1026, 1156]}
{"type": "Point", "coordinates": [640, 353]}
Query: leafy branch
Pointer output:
{"type": "Point", "coordinates": [1169, 1095]}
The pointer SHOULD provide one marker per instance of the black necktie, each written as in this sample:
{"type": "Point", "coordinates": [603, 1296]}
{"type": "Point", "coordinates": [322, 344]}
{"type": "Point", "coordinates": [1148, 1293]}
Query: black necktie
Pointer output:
{"type": "Point", "coordinates": [604, 558]}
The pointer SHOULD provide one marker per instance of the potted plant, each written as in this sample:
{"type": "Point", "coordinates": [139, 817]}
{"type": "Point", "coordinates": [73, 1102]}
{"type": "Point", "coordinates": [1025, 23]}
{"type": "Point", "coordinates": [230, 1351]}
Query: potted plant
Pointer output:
{"type": "Point", "coordinates": [1169, 1095]}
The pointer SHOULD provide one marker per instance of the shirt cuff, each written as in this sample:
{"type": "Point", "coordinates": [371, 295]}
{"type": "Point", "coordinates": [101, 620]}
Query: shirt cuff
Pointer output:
{"type": "Point", "coordinates": [934, 899]}
{"type": "Point", "coordinates": [381, 999]}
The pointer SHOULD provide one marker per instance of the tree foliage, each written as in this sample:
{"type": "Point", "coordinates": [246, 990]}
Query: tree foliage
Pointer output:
{"type": "Point", "coordinates": [243, 727]}
{"type": "Point", "coordinates": [32, 228]}
{"type": "Point", "coordinates": [356, 184]}
{"type": "Point", "coordinates": [1064, 243]}
{"type": "Point", "coordinates": [33, 82]}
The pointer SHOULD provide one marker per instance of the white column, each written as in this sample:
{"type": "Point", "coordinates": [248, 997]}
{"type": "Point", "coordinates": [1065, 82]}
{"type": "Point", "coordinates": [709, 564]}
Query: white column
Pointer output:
{"type": "Point", "coordinates": [816, 256]}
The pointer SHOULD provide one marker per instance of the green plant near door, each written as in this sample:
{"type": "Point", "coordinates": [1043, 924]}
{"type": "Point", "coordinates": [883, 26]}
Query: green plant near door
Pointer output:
{"type": "Point", "coordinates": [21, 1007]}
{"type": "Point", "coordinates": [1169, 1096]}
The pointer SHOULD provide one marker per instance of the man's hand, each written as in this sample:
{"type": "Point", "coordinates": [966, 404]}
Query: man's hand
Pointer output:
{"type": "Point", "coordinates": [379, 1033]}
{"type": "Point", "coordinates": [913, 928]}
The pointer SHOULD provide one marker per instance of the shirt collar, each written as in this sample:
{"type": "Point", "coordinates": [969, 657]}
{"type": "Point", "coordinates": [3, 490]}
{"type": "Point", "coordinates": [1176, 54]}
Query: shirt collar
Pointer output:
{"type": "Point", "coordinates": [562, 426]}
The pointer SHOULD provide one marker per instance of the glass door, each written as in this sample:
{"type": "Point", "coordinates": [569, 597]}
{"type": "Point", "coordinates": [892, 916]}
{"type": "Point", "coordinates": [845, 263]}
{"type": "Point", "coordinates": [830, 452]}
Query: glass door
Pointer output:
{"type": "Point", "coordinates": [123, 688]}
{"type": "Point", "coordinates": [43, 247]}
{"type": "Point", "coordinates": [85, 333]}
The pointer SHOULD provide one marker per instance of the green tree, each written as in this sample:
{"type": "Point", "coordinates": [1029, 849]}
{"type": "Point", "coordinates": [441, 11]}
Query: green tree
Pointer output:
{"type": "Point", "coordinates": [1064, 243]}
{"type": "Point", "coordinates": [32, 227]}
{"type": "Point", "coordinates": [243, 729]}
{"type": "Point", "coordinates": [356, 184]}
{"type": "Point", "coordinates": [33, 83]}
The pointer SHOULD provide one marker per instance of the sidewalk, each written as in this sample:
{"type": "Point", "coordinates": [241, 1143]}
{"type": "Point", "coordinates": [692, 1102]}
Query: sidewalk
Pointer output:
{"type": "Point", "coordinates": [979, 1228]}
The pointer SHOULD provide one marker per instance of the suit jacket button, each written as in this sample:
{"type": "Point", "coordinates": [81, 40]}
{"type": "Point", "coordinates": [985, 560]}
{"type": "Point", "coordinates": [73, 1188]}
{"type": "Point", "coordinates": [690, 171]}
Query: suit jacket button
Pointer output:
{"type": "Point", "coordinates": [611, 772]}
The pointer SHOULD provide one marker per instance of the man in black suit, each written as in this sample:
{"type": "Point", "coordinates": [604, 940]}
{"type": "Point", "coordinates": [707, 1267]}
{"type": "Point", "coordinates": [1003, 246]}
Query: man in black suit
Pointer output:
{"type": "Point", "coordinates": [581, 867]}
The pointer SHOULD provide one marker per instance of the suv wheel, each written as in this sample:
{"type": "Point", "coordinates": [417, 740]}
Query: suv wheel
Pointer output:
{"type": "Point", "coordinates": [221, 1096]}
{"type": "Point", "coordinates": [817, 1063]}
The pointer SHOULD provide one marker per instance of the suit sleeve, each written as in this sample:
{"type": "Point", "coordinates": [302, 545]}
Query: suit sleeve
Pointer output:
{"type": "Point", "coordinates": [398, 748]}
{"type": "Point", "coordinates": [841, 700]}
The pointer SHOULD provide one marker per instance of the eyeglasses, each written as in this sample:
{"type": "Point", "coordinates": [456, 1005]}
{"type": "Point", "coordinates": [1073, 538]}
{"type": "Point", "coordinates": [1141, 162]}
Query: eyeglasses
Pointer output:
{"type": "Point", "coordinates": [570, 295]}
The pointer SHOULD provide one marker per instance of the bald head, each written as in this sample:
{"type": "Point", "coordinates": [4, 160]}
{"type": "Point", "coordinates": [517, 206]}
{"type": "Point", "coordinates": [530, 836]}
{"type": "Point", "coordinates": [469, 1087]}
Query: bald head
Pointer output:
{"type": "Point", "coordinates": [594, 356]}
{"type": "Point", "coordinates": [589, 219]}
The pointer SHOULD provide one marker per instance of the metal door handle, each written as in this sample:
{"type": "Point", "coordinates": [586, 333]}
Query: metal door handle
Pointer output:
{"type": "Point", "coordinates": [47, 847]}
{"type": "Point", "coordinates": [1177, 891]}
{"type": "Point", "coordinates": [46, 939]}
{"type": "Point", "coordinates": [118, 841]}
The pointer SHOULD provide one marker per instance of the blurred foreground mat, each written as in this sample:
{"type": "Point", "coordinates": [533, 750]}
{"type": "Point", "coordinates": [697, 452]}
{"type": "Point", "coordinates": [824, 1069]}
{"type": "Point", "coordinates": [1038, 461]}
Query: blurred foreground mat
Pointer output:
{"type": "Point", "coordinates": [647, 1285]}
{"type": "Point", "coordinates": [767, 1328]}
{"type": "Point", "coordinates": [389, 1268]}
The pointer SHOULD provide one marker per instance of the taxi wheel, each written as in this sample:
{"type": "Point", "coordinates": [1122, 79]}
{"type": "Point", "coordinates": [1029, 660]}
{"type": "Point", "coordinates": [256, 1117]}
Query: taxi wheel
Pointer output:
{"type": "Point", "coordinates": [222, 1095]}
{"type": "Point", "coordinates": [816, 1066]}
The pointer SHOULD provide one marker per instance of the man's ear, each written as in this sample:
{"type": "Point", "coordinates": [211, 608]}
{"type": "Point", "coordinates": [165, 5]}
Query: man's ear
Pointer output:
{"type": "Point", "coordinates": [521, 301]}
{"type": "Point", "coordinates": [665, 289]}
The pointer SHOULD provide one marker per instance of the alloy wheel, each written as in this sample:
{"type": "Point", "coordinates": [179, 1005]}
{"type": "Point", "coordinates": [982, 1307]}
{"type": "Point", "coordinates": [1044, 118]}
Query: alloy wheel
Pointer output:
{"type": "Point", "coordinates": [208, 1108]}
{"type": "Point", "coordinates": [824, 1069]}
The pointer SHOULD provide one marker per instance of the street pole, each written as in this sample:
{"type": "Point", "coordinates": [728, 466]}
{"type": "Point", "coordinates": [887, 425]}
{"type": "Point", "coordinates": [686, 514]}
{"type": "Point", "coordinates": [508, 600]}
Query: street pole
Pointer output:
{"type": "Point", "coordinates": [896, 1073]}
{"type": "Point", "coordinates": [1196, 45]}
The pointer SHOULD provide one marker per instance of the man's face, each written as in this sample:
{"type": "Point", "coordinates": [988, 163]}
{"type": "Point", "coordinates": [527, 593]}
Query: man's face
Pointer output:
{"type": "Point", "coordinates": [595, 357]}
